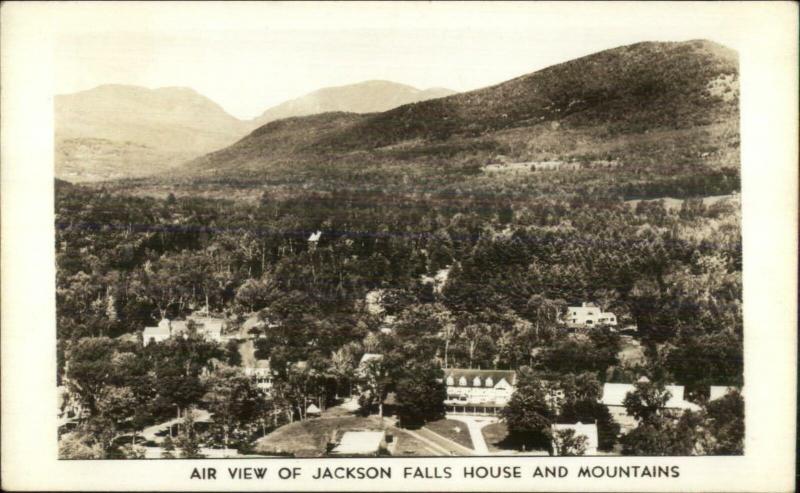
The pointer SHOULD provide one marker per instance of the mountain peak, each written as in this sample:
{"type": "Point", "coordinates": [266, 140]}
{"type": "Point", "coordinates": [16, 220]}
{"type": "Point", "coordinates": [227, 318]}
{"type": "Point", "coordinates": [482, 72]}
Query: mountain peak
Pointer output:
{"type": "Point", "coordinates": [368, 96]}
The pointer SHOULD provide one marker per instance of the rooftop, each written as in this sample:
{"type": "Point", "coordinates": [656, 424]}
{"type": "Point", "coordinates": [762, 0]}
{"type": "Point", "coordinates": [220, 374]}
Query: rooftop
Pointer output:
{"type": "Point", "coordinates": [469, 374]}
{"type": "Point", "coordinates": [155, 332]}
{"type": "Point", "coordinates": [370, 356]}
{"type": "Point", "coordinates": [587, 430]}
{"type": "Point", "coordinates": [614, 395]}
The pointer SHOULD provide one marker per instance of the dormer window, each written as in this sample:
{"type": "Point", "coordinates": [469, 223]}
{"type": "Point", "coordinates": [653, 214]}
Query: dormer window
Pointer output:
{"type": "Point", "coordinates": [462, 381]}
{"type": "Point", "coordinates": [489, 382]}
{"type": "Point", "coordinates": [476, 382]}
{"type": "Point", "coordinates": [450, 381]}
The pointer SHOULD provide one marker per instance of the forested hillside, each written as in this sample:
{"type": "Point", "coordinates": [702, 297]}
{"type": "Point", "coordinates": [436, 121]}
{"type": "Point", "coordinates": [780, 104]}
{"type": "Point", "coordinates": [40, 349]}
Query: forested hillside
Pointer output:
{"type": "Point", "coordinates": [665, 110]}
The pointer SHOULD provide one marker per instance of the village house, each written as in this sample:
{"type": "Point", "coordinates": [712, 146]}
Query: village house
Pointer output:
{"type": "Point", "coordinates": [719, 391]}
{"type": "Point", "coordinates": [313, 240]}
{"type": "Point", "coordinates": [478, 391]}
{"type": "Point", "coordinates": [587, 430]}
{"type": "Point", "coordinates": [157, 334]}
{"type": "Point", "coordinates": [70, 410]}
{"type": "Point", "coordinates": [209, 327]}
{"type": "Point", "coordinates": [614, 398]}
{"type": "Point", "coordinates": [362, 364]}
{"type": "Point", "coordinates": [589, 315]}
{"type": "Point", "coordinates": [261, 373]}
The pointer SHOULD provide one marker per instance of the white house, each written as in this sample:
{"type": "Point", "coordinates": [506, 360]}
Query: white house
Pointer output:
{"type": "Point", "coordinates": [719, 391]}
{"type": "Point", "coordinates": [614, 397]}
{"type": "Point", "coordinates": [478, 391]}
{"type": "Point", "coordinates": [209, 327]}
{"type": "Point", "coordinates": [589, 315]}
{"type": "Point", "coordinates": [261, 373]}
{"type": "Point", "coordinates": [157, 334]}
{"type": "Point", "coordinates": [70, 409]}
{"type": "Point", "coordinates": [587, 430]}
{"type": "Point", "coordinates": [313, 240]}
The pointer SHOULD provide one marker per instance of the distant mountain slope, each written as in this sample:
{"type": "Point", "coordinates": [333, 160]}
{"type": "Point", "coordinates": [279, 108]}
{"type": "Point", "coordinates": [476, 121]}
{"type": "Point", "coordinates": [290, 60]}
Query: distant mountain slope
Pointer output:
{"type": "Point", "coordinates": [364, 97]}
{"type": "Point", "coordinates": [119, 130]}
{"type": "Point", "coordinates": [628, 89]}
{"type": "Point", "coordinates": [649, 104]}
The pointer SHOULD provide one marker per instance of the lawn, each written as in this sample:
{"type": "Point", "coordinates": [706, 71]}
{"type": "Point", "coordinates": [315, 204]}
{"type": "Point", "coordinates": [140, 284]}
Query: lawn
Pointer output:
{"type": "Point", "coordinates": [407, 445]}
{"type": "Point", "coordinates": [454, 430]}
{"type": "Point", "coordinates": [494, 434]}
{"type": "Point", "coordinates": [309, 438]}
{"type": "Point", "coordinates": [496, 437]}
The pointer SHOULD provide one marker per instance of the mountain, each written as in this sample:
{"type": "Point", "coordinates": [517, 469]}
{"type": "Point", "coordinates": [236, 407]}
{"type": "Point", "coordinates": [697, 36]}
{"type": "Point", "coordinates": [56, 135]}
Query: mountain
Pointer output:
{"type": "Point", "coordinates": [655, 105]}
{"type": "Point", "coordinates": [364, 97]}
{"type": "Point", "coordinates": [119, 130]}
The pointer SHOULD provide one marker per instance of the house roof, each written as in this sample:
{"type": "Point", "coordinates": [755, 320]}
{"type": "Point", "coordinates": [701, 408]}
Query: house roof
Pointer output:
{"type": "Point", "coordinates": [614, 395]}
{"type": "Point", "coordinates": [359, 442]}
{"type": "Point", "coordinates": [252, 322]}
{"type": "Point", "coordinates": [509, 375]}
{"type": "Point", "coordinates": [312, 409]}
{"type": "Point", "coordinates": [587, 430]}
{"type": "Point", "coordinates": [315, 236]}
{"type": "Point", "coordinates": [719, 391]}
{"type": "Point", "coordinates": [179, 326]}
{"type": "Point", "coordinates": [155, 332]}
{"type": "Point", "coordinates": [370, 356]}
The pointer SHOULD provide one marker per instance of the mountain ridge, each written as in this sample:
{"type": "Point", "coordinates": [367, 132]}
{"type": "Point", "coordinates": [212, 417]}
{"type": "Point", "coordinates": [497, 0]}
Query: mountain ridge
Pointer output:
{"type": "Point", "coordinates": [362, 97]}
{"type": "Point", "coordinates": [609, 100]}
{"type": "Point", "coordinates": [120, 130]}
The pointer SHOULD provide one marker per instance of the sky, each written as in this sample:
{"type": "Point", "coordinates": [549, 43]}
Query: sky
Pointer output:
{"type": "Point", "coordinates": [250, 56]}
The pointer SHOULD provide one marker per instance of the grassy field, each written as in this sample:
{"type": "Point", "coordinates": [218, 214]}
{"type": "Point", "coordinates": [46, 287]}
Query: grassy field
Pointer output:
{"type": "Point", "coordinates": [494, 434]}
{"type": "Point", "coordinates": [454, 430]}
{"type": "Point", "coordinates": [407, 445]}
{"type": "Point", "coordinates": [309, 438]}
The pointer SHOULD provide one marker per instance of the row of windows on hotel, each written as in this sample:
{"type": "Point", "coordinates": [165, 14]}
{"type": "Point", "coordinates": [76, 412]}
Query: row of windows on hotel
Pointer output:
{"type": "Point", "coordinates": [476, 382]}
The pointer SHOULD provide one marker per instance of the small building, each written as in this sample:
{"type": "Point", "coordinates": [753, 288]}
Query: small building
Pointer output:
{"type": "Point", "coordinates": [208, 327]}
{"type": "Point", "coordinates": [360, 444]}
{"type": "Point", "coordinates": [719, 391]}
{"type": "Point", "coordinates": [589, 315]}
{"type": "Point", "coordinates": [313, 411]}
{"type": "Point", "coordinates": [211, 327]}
{"type": "Point", "coordinates": [313, 240]}
{"type": "Point", "coordinates": [587, 430]}
{"type": "Point", "coordinates": [614, 399]}
{"type": "Point", "coordinates": [365, 359]}
{"type": "Point", "coordinates": [157, 334]}
{"type": "Point", "coordinates": [261, 372]}
{"type": "Point", "coordinates": [478, 391]}
{"type": "Point", "coordinates": [70, 410]}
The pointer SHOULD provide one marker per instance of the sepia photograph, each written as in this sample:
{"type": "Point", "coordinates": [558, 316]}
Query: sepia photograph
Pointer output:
{"type": "Point", "coordinates": [318, 232]}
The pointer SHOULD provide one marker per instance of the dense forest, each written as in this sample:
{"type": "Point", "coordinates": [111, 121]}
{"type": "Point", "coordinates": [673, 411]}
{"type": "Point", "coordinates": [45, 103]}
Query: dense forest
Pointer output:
{"type": "Point", "coordinates": [507, 270]}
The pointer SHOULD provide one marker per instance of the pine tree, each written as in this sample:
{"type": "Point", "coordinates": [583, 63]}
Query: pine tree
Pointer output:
{"type": "Point", "coordinates": [187, 440]}
{"type": "Point", "coordinates": [168, 448]}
